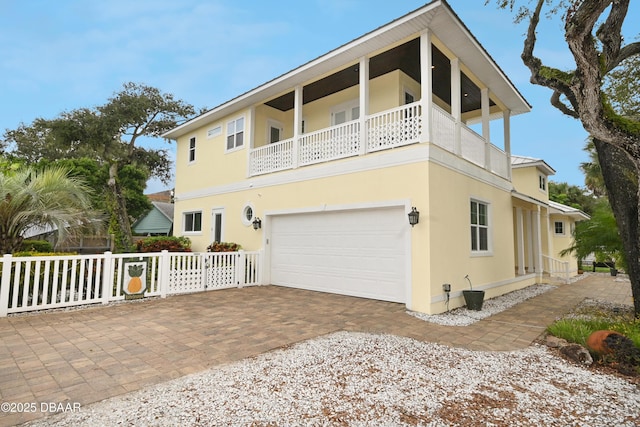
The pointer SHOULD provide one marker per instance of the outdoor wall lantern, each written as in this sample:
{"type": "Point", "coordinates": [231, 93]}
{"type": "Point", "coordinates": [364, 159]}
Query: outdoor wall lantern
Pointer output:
{"type": "Point", "coordinates": [257, 223]}
{"type": "Point", "coordinates": [414, 216]}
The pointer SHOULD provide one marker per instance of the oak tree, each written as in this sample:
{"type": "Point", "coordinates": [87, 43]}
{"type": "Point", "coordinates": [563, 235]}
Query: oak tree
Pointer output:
{"type": "Point", "coordinates": [594, 39]}
{"type": "Point", "coordinates": [110, 134]}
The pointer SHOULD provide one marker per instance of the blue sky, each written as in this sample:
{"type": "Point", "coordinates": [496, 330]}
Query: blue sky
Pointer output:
{"type": "Point", "coordinates": [61, 55]}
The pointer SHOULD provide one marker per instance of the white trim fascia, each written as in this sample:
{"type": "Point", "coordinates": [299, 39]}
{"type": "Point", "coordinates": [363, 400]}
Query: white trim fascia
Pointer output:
{"type": "Point", "coordinates": [449, 160]}
{"type": "Point", "coordinates": [528, 199]}
{"type": "Point", "coordinates": [416, 154]}
{"type": "Point", "coordinates": [391, 158]}
{"type": "Point", "coordinates": [561, 209]}
{"type": "Point", "coordinates": [343, 207]}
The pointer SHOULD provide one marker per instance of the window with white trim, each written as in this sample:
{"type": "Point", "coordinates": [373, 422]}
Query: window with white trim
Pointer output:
{"type": "Point", "coordinates": [213, 132]}
{"type": "Point", "coordinates": [345, 112]}
{"type": "Point", "coordinates": [274, 131]}
{"type": "Point", "coordinates": [192, 222]}
{"type": "Point", "coordinates": [217, 223]}
{"type": "Point", "coordinates": [479, 226]}
{"type": "Point", "coordinates": [558, 227]}
{"type": "Point", "coordinates": [235, 134]}
{"type": "Point", "coordinates": [192, 149]}
{"type": "Point", "coordinates": [542, 183]}
{"type": "Point", "coordinates": [248, 214]}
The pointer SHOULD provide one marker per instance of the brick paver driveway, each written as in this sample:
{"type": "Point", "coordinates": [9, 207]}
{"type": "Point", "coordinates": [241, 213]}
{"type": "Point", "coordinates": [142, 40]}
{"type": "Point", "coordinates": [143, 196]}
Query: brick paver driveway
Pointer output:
{"type": "Point", "coordinates": [88, 355]}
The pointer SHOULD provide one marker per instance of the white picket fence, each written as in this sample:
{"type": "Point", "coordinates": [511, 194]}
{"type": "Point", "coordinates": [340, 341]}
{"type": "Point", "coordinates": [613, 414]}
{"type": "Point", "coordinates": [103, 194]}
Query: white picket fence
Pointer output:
{"type": "Point", "coordinates": [38, 283]}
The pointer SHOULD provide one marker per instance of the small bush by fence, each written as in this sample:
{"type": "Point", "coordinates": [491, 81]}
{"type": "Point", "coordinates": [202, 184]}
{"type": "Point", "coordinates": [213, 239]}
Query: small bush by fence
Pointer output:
{"type": "Point", "coordinates": [44, 282]}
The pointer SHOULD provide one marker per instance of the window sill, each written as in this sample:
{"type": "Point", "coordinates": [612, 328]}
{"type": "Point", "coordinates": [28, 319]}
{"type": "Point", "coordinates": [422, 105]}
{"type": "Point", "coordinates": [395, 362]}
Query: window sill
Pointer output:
{"type": "Point", "coordinates": [233, 150]}
{"type": "Point", "coordinates": [478, 254]}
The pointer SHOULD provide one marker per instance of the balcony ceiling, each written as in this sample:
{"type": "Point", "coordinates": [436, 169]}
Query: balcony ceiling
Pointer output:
{"type": "Point", "coordinates": [406, 58]}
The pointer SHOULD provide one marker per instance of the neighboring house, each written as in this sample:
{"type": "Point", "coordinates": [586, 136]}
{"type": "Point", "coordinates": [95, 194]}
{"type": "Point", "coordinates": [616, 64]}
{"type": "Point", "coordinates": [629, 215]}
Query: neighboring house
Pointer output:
{"type": "Point", "coordinates": [330, 158]}
{"type": "Point", "coordinates": [157, 222]}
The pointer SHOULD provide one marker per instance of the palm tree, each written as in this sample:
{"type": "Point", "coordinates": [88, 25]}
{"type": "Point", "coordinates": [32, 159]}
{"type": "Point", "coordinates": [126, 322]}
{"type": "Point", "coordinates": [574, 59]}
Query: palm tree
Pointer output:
{"type": "Point", "coordinates": [593, 178]}
{"type": "Point", "coordinates": [49, 199]}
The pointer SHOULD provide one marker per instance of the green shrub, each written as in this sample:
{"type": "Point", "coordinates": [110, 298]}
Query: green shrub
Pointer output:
{"type": "Point", "coordinates": [223, 247]}
{"type": "Point", "coordinates": [577, 328]}
{"type": "Point", "coordinates": [161, 243]}
{"type": "Point", "coordinates": [32, 245]}
{"type": "Point", "coordinates": [36, 253]}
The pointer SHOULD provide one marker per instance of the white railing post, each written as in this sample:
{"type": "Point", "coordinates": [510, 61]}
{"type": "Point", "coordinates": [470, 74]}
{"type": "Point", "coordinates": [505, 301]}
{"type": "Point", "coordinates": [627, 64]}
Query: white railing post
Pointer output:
{"type": "Point", "coordinates": [203, 269]}
{"type": "Point", "coordinates": [6, 283]}
{"type": "Point", "coordinates": [261, 264]}
{"type": "Point", "coordinates": [241, 262]}
{"type": "Point", "coordinates": [107, 277]}
{"type": "Point", "coordinates": [165, 261]}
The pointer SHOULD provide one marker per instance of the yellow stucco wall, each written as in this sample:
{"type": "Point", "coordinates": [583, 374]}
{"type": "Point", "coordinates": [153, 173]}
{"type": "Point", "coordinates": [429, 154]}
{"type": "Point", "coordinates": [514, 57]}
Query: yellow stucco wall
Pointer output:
{"type": "Point", "coordinates": [366, 187]}
{"type": "Point", "coordinates": [563, 241]}
{"type": "Point", "coordinates": [449, 218]}
{"type": "Point", "coordinates": [526, 181]}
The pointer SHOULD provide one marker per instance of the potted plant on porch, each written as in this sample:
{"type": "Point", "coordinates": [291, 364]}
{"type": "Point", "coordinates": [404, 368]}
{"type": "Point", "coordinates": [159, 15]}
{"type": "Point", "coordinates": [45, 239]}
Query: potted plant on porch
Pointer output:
{"type": "Point", "coordinates": [473, 297]}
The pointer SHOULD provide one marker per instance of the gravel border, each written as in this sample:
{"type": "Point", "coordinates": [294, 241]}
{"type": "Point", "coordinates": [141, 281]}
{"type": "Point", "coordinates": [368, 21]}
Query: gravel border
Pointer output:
{"type": "Point", "coordinates": [463, 317]}
{"type": "Point", "coordinates": [359, 379]}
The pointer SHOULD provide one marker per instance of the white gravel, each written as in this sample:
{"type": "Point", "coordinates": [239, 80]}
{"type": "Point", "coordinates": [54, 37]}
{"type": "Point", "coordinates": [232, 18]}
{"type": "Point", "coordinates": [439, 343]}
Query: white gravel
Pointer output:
{"type": "Point", "coordinates": [463, 317]}
{"type": "Point", "coordinates": [358, 379]}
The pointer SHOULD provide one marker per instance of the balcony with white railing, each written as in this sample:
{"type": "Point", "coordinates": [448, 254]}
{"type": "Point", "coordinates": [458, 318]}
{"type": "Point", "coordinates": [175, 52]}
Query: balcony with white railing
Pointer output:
{"type": "Point", "coordinates": [386, 130]}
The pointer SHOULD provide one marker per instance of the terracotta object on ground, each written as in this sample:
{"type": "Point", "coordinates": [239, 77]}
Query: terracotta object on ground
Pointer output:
{"type": "Point", "coordinates": [596, 342]}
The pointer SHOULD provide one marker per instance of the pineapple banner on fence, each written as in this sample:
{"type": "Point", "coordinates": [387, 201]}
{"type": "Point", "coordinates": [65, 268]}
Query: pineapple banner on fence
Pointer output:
{"type": "Point", "coordinates": [134, 283]}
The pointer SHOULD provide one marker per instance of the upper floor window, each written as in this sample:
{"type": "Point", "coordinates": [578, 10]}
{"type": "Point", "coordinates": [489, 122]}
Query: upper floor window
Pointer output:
{"type": "Point", "coordinates": [213, 132]}
{"type": "Point", "coordinates": [345, 112]}
{"type": "Point", "coordinates": [235, 134]}
{"type": "Point", "coordinates": [274, 131]}
{"type": "Point", "coordinates": [542, 182]}
{"type": "Point", "coordinates": [408, 97]}
{"type": "Point", "coordinates": [192, 222]}
{"type": "Point", "coordinates": [192, 149]}
{"type": "Point", "coordinates": [558, 227]}
{"type": "Point", "coordinates": [479, 226]}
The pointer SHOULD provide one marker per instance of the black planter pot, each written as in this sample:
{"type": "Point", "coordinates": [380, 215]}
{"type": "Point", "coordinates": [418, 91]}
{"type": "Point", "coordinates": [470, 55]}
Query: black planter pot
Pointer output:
{"type": "Point", "coordinates": [474, 299]}
{"type": "Point", "coordinates": [614, 271]}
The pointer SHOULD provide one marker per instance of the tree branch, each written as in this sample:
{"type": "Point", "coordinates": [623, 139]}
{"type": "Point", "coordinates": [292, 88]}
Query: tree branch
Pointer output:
{"type": "Point", "coordinates": [626, 52]}
{"type": "Point", "coordinates": [541, 75]}
{"type": "Point", "coordinates": [556, 102]}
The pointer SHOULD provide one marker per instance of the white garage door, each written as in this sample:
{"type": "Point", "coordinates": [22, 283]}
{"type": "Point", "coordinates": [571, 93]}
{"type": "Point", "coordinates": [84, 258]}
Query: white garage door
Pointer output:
{"type": "Point", "coordinates": [357, 252]}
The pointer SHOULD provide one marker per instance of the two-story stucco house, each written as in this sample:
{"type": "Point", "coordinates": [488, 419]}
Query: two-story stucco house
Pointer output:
{"type": "Point", "coordinates": [320, 167]}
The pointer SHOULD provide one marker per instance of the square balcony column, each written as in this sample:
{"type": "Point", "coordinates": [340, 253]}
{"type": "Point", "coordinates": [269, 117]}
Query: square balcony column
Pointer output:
{"type": "Point", "coordinates": [426, 86]}
{"type": "Point", "coordinates": [537, 241]}
{"type": "Point", "coordinates": [363, 102]}
{"type": "Point", "coordinates": [484, 102]}
{"type": "Point", "coordinates": [297, 123]}
{"type": "Point", "coordinates": [456, 104]}
{"type": "Point", "coordinates": [520, 240]}
{"type": "Point", "coordinates": [506, 122]}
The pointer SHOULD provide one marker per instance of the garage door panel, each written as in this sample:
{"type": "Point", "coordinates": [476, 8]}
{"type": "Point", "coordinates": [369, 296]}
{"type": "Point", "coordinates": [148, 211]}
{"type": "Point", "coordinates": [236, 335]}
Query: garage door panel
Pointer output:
{"type": "Point", "coordinates": [359, 253]}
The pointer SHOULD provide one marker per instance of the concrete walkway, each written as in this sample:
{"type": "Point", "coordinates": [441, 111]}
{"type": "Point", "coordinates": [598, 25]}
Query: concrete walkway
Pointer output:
{"type": "Point", "coordinates": [83, 356]}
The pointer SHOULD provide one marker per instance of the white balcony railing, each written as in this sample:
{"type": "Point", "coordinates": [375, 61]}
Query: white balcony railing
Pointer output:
{"type": "Point", "coordinates": [386, 130]}
{"type": "Point", "coordinates": [272, 158]}
{"type": "Point", "coordinates": [333, 143]}
{"type": "Point", "coordinates": [394, 128]}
